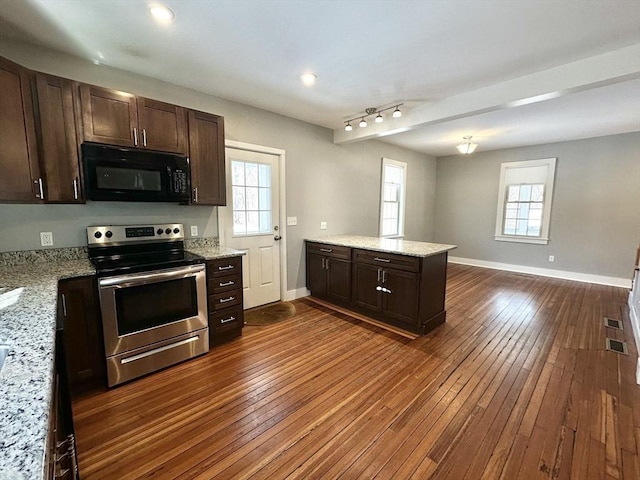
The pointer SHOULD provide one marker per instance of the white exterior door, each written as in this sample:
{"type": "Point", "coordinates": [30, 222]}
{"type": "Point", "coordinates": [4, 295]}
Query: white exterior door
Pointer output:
{"type": "Point", "coordinates": [250, 222]}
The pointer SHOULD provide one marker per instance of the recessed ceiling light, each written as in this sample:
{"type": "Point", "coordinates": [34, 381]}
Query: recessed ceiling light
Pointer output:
{"type": "Point", "coordinates": [308, 78]}
{"type": "Point", "coordinates": [160, 13]}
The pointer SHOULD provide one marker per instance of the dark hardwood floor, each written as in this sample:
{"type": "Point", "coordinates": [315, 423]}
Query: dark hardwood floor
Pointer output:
{"type": "Point", "coordinates": [516, 385]}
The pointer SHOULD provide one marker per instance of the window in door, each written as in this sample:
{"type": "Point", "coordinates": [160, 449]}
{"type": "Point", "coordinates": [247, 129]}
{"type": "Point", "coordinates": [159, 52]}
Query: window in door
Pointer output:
{"type": "Point", "coordinates": [393, 190]}
{"type": "Point", "coordinates": [251, 190]}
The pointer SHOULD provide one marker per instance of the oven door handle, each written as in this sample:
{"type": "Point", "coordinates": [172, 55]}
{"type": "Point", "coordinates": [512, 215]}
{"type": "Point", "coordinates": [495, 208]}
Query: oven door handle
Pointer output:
{"type": "Point", "coordinates": [134, 279]}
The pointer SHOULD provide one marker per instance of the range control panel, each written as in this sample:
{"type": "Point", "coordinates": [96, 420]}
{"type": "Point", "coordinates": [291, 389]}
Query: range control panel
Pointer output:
{"type": "Point", "coordinates": [116, 234]}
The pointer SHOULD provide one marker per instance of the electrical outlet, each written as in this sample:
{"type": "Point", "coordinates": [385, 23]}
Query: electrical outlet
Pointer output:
{"type": "Point", "coordinates": [323, 225]}
{"type": "Point", "coordinates": [194, 230]}
{"type": "Point", "coordinates": [46, 239]}
{"type": "Point", "coordinates": [552, 258]}
{"type": "Point", "coordinates": [292, 221]}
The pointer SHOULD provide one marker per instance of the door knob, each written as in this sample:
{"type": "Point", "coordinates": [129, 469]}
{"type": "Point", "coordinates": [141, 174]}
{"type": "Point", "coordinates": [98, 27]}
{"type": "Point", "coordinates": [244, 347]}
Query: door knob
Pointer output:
{"type": "Point", "coordinates": [277, 237]}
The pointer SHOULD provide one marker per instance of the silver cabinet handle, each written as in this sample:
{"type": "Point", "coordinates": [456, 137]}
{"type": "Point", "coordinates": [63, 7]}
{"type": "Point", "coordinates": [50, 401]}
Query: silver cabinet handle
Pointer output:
{"type": "Point", "coordinates": [225, 300]}
{"type": "Point", "coordinates": [226, 284]}
{"type": "Point", "coordinates": [326, 262]}
{"type": "Point", "coordinates": [75, 188]}
{"type": "Point", "coordinates": [228, 267]}
{"type": "Point", "coordinates": [384, 276]}
{"type": "Point", "coordinates": [385, 260]}
{"type": "Point", "coordinates": [195, 195]}
{"type": "Point", "coordinates": [64, 304]}
{"type": "Point", "coordinates": [379, 272]}
{"type": "Point", "coordinates": [144, 137]}
{"type": "Point", "coordinates": [135, 136]}
{"type": "Point", "coordinates": [40, 188]}
{"type": "Point", "coordinates": [382, 289]}
{"type": "Point", "coordinates": [379, 288]}
{"type": "Point", "coordinates": [227, 320]}
{"type": "Point", "coordinates": [327, 250]}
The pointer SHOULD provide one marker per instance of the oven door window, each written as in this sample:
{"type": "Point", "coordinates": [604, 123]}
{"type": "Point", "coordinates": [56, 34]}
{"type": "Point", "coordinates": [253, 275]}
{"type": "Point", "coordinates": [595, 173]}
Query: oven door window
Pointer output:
{"type": "Point", "coordinates": [155, 304]}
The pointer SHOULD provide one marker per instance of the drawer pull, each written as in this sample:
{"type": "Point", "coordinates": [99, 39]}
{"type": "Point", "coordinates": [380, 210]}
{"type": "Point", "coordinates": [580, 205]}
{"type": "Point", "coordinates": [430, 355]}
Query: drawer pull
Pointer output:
{"type": "Point", "coordinates": [327, 250]}
{"type": "Point", "coordinates": [228, 267]}
{"type": "Point", "coordinates": [225, 300]}
{"type": "Point", "coordinates": [226, 284]}
{"type": "Point", "coordinates": [385, 260]}
{"type": "Point", "coordinates": [227, 320]}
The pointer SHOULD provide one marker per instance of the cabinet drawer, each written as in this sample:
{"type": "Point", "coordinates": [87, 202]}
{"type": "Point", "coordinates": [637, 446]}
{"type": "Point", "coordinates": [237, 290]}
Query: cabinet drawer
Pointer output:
{"type": "Point", "coordinates": [222, 300]}
{"type": "Point", "coordinates": [334, 251]}
{"type": "Point", "coordinates": [227, 319]}
{"type": "Point", "coordinates": [224, 266]}
{"type": "Point", "coordinates": [390, 260]}
{"type": "Point", "coordinates": [224, 283]}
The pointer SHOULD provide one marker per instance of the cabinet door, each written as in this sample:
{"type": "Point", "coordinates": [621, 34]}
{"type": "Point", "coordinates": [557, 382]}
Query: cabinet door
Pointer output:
{"type": "Point", "coordinates": [59, 145]}
{"type": "Point", "coordinates": [316, 275]}
{"type": "Point", "coordinates": [163, 126]}
{"type": "Point", "coordinates": [109, 116]}
{"type": "Point", "coordinates": [402, 303]}
{"type": "Point", "coordinates": [365, 280]}
{"type": "Point", "coordinates": [85, 358]}
{"type": "Point", "coordinates": [206, 151]}
{"type": "Point", "coordinates": [18, 150]}
{"type": "Point", "coordinates": [338, 279]}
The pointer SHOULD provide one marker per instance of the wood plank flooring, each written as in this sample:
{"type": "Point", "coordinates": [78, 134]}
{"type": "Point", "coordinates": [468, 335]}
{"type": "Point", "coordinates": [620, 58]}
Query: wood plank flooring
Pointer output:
{"type": "Point", "coordinates": [516, 385]}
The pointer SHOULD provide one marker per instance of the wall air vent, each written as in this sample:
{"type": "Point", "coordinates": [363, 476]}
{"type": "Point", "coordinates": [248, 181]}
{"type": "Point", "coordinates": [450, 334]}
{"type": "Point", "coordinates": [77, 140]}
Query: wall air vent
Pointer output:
{"type": "Point", "coordinates": [612, 323]}
{"type": "Point", "coordinates": [617, 346]}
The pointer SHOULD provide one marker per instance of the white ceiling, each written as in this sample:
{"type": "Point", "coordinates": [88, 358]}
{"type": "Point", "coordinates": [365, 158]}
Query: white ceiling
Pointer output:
{"type": "Point", "coordinates": [484, 56]}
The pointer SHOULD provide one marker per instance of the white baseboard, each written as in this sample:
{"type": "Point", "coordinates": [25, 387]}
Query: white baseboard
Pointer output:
{"type": "Point", "coordinates": [546, 272]}
{"type": "Point", "coordinates": [297, 293]}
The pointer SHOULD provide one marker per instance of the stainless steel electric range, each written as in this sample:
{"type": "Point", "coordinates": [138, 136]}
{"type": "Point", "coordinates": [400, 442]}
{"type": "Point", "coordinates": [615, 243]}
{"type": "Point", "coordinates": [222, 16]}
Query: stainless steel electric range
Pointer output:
{"type": "Point", "coordinates": [152, 297]}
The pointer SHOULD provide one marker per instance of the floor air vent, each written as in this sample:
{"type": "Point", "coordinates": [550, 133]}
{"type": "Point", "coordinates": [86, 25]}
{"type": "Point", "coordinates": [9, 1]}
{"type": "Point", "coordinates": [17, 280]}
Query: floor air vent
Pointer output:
{"type": "Point", "coordinates": [617, 346]}
{"type": "Point", "coordinates": [612, 323]}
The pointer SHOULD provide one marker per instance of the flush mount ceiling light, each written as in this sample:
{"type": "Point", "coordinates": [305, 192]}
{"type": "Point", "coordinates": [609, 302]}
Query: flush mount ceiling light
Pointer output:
{"type": "Point", "coordinates": [370, 112]}
{"type": "Point", "coordinates": [308, 78]}
{"type": "Point", "coordinates": [161, 14]}
{"type": "Point", "coordinates": [466, 147]}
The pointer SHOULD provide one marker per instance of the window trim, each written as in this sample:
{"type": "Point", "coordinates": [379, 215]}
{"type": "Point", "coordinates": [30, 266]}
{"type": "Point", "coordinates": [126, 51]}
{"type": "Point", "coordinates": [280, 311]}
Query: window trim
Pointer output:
{"type": "Point", "coordinates": [403, 195]}
{"type": "Point", "coordinates": [543, 239]}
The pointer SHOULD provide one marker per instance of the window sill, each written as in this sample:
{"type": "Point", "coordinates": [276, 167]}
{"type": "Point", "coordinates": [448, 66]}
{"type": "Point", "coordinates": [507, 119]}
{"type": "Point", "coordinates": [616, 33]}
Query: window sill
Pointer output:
{"type": "Point", "coordinates": [508, 238]}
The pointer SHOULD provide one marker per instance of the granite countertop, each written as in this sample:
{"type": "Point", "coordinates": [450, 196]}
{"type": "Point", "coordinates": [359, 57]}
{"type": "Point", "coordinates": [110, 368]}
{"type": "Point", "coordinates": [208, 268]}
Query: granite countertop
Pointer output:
{"type": "Point", "coordinates": [27, 325]}
{"type": "Point", "coordinates": [213, 252]}
{"type": "Point", "coordinates": [388, 245]}
{"type": "Point", "coordinates": [28, 302]}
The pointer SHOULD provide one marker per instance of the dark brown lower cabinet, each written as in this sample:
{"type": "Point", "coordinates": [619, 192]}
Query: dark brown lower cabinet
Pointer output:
{"type": "Point", "coordinates": [394, 298]}
{"type": "Point", "coordinates": [82, 332]}
{"type": "Point", "coordinates": [224, 290]}
{"type": "Point", "coordinates": [401, 290]}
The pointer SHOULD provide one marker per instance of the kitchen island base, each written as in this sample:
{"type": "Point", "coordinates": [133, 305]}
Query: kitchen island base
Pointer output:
{"type": "Point", "coordinates": [399, 283]}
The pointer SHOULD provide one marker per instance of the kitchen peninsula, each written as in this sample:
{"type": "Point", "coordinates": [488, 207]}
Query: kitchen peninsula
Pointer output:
{"type": "Point", "coordinates": [398, 282]}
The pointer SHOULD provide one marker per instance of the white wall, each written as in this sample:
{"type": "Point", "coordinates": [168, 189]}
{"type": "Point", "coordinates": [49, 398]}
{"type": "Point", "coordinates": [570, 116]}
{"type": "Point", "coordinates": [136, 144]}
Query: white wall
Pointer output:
{"type": "Point", "coordinates": [595, 217]}
{"type": "Point", "coordinates": [325, 182]}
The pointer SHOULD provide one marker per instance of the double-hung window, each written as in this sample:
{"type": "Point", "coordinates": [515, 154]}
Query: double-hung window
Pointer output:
{"type": "Point", "coordinates": [393, 192]}
{"type": "Point", "coordinates": [524, 201]}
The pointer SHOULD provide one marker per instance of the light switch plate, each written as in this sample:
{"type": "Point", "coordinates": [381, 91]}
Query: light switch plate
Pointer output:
{"type": "Point", "coordinates": [292, 221]}
{"type": "Point", "coordinates": [46, 239]}
{"type": "Point", "coordinates": [194, 230]}
{"type": "Point", "coordinates": [323, 225]}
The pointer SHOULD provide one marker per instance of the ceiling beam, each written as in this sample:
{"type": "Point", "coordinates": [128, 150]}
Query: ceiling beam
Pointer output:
{"type": "Point", "coordinates": [606, 69]}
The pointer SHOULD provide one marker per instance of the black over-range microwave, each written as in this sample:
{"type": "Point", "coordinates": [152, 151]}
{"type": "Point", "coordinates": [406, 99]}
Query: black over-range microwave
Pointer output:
{"type": "Point", "coordinates": [123, 174]}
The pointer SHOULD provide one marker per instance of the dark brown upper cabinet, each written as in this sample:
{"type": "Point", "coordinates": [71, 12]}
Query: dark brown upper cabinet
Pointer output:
{"type": "Point", "coordinates": [206, 151]}
{"type": "Point", "coordinates": [59, 160]}
{"type": "Point", "coordinates": [119, 118]}
{"type": "Point", "coordinates": [20, 176]}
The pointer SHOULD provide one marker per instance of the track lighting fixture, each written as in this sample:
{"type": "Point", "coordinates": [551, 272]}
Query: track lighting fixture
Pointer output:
{"type": "Point", "coordinates": [373, 111]}
{"type": "Point", "coordinates": [466, 147]}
